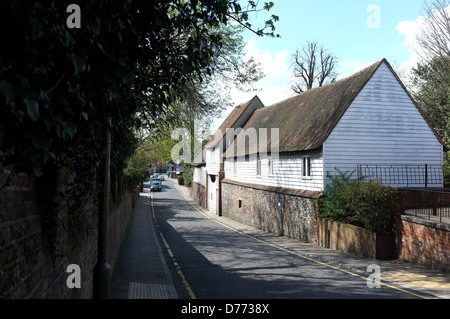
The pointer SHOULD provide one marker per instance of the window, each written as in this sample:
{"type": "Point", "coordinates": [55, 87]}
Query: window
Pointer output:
{"type": "Point", "coordinates": [235, 166]}
{"type": "Point", "coordinates": [270, 164]}
{"type": "Point", "coordinates": [306, 166]}
{"type": "Point", "coordinates": [258, 167]}
{"type": "Point", "coordinates": [213, 155]}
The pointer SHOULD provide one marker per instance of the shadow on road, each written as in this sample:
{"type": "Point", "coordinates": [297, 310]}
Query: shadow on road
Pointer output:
{"type": "Point", "coordinates": [220, 263]}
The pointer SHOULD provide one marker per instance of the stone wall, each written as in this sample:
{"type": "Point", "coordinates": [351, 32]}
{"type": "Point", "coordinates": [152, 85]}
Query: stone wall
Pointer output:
{"type": "Point", "coordinates": [284, 212]}
{"type": "Point", "coordinates": [198, 194]}
{"type": "Point", "coordinates": [424, 242]}
{"type": "Point", "coordinates": [36, 249]}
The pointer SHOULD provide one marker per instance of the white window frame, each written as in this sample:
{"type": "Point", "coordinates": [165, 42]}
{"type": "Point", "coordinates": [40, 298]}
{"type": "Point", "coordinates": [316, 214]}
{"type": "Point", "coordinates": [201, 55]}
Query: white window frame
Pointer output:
{"type": "Point", "coordinates": [306, 167]}
{"type": "Point", "coordinates": [213, 155]}
{"type": "Point", "coordinates": [258, 167]}
{"type": "Point", "coordinates": [270, 167]}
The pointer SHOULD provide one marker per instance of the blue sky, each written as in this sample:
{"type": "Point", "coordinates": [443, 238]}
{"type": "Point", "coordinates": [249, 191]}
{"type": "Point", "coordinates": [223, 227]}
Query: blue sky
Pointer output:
{"type": "Point", "coordinates": [342, 27]}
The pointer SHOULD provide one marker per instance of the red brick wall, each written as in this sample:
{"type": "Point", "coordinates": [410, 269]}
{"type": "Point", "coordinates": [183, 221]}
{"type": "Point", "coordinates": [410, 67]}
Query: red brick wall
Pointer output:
{"type": "Point", "coordinates": [33, 263]}
{"type": "Point", "coordinates": [356, 240]}
{"type": "Point", "coordinates": [424, 242]}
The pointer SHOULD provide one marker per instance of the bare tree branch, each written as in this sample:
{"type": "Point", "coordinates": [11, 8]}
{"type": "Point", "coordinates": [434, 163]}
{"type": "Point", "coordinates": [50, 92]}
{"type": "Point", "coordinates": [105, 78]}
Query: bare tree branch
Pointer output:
{"type": "Point", "coordinates": [313, 65]}
{"type": "Point", "coordinates": [434, 39]}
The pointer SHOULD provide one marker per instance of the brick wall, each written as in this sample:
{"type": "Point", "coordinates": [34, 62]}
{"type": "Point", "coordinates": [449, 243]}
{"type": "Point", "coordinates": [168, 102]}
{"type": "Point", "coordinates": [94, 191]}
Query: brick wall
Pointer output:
{"type": "Point", "coordinates": [356, 240]}
{"type": "Point", "coordinates": [34, 260]}
{"type": "Point", "coordinates": [281, 211]}
{"type": "Point", "coordinates": [424, 242]}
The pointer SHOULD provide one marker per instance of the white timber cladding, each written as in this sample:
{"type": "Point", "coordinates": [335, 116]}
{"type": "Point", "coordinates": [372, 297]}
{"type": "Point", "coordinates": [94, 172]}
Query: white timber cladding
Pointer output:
{"type": "Point", "coordinates": [287, 171]}
{"type": "Point", "coordinates": [199, 175]}
{"type": "Point", "coordinates": [213, 160]}
{"type": "Point", "coordinates": [381, 127]}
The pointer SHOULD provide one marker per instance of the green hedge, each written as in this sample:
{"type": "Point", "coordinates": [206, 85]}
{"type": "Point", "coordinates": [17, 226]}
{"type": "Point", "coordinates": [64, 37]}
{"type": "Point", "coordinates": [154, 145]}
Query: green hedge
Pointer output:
{"type": "Point", "coordinates": [188, 175]}
{"type": "Point", "coordinates": [359, 202]}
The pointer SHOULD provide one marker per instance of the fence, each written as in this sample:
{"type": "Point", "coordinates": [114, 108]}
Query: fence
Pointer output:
{"type": "Point", "coordinates": [427, 204]}
{"type": "Point", "coordinates": [404, 175]}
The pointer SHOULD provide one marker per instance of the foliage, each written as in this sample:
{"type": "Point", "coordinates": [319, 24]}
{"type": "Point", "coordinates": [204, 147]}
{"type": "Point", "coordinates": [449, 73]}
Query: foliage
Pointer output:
{"type": "Point", "coordinates": [205, 98]}
{"type": "Point", "coordinates": [137, 166]}
{"type": "Point", "coordinates": [431, 76]}
{"type": "Point", "coordinates": [432, 92]}
{"type": "Point", "coordinates": [360, 202]}
{"type": "Point", "coordinates": [188, 174]}
{"type": "Point", "coordinates": [59, 86]}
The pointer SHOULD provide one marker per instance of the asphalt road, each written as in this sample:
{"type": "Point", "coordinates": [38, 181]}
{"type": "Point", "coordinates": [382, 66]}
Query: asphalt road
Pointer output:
{"type": "Point", "coordinates": [211, 259]}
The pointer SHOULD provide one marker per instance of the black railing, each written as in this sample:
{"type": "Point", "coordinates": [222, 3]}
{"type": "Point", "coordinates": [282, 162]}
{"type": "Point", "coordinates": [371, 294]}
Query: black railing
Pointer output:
{"type": "Point", "coordinates": [404, 175]}
{"type": "Point", "coordinates": [426, 204]}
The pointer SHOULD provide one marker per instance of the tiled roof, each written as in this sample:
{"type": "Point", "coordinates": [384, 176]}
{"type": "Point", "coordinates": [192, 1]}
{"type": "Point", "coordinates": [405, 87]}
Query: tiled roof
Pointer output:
{"type": "Point", "coordinates": [229, 122]}
{"type": "Point", "coordinates": [306, 120]}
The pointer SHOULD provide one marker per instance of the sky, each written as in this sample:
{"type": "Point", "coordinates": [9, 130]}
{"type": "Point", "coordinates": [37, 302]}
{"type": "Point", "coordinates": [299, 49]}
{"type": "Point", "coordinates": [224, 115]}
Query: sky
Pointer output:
{"type": "Point", "coordinates": [358, 32]}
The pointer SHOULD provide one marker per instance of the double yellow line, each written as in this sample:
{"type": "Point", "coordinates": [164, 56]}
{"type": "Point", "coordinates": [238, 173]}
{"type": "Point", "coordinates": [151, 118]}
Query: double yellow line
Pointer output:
{"type": "Point", "coordinates": [285, 250]}
{"type": "Point", "coordinates": [169, 251]}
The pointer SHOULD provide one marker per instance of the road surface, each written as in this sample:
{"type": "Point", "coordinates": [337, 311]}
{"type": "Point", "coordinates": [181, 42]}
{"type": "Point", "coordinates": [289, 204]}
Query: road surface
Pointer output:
{"type": "Point", "coordinates": [211, 258]}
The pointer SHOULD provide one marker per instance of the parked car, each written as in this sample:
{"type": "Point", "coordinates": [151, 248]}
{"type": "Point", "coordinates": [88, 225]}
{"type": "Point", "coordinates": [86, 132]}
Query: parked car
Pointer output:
{"type": "Point", "coordinates": [162, 177]}
{"type": "Point", "coordinates": [155, 184]}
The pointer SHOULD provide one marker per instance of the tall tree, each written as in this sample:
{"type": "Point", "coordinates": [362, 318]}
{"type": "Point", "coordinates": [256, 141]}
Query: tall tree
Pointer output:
{"type": "Point", "coordinates": [434, 38]}
{"type": "Point", "coordinates": [312, 66]}
{"type": "Point", "coordinates": [431, 77]}
{"type": "Point", "coordinates": [60, 85]}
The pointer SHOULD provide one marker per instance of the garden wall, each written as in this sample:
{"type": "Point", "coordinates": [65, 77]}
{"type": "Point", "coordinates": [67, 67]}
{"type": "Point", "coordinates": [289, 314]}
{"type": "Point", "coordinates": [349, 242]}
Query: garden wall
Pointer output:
{"type": "Point", "coordinates": [356, 240]}
{"type": "Point", "coordinates": [198, 194]}
{"type": "Point", "coordinates": [35, 250]}
{"type": "Point", "coordinates": [424, 242]}
{"type": "Point", "coordinates": [281, 211]}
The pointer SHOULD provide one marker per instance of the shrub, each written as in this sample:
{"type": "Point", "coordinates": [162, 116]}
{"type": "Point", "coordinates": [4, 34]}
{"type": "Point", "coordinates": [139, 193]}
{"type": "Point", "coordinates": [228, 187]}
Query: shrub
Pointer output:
{"type": "Point", "coordinates": [188, 175]}
{"type": "Point", "coordinates": [360, 202]}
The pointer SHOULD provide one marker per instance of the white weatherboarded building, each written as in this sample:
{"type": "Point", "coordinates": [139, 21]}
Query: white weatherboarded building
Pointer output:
{"type": "Point", "coordinates": [207, 175]}
{"type": "Point", "coordinates": [366, 123]}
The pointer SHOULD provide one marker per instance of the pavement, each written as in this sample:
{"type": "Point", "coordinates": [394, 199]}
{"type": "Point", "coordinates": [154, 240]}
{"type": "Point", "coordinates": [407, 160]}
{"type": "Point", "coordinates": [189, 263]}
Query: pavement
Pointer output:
{"type": "Point", "coordinates": [143, 272]}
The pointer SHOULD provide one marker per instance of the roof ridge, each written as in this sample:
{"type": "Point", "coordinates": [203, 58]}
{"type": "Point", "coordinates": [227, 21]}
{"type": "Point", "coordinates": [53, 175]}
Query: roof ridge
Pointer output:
{"type": "Point", "coordinates": [312, 115]}
{"type": "Point", "coordinates": [348, 78]}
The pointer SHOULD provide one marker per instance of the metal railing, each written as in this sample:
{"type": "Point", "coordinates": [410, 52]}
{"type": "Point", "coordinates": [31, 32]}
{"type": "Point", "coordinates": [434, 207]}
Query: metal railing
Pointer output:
{"type": "Point", "coordinates": [404, 175]}
{"type": "Point", "coordinates": [430, 205]}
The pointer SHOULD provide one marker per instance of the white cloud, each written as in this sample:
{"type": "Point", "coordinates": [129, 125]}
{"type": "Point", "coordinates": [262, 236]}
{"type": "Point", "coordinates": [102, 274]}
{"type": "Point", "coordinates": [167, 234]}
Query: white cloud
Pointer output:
{"type": "Point", "coordinates": [410, 30]}
{"type": "Point", "coordinates": [348, 67]}
{"type": "Point", "coordinates": [273, 88]}
{"type": "Point", "coordinates": [276, 84]}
